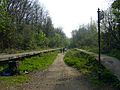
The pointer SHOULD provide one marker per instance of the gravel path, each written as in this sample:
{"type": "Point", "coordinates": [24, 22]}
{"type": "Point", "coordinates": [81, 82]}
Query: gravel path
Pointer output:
{"type": "Point", "coordinates": [58, 77]}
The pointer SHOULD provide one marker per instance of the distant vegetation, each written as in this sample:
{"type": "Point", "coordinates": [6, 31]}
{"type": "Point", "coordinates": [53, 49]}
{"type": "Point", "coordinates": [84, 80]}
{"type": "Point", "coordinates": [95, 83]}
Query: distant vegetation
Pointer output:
{"type": "Point", "coordinates": [26, 25]}
{"type": "Point", "coordinates": [86, 35]}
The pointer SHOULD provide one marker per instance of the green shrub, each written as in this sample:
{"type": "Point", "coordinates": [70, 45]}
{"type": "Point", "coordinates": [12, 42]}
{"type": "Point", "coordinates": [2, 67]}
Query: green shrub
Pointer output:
{"type": "Point", "coordinates": [28, 64]}
{"type": "Point", "coordinates": [37, 63]}
{"type": "Point", "coordinates": [89, 66]}
{"type": "Point", "coordinates": [114, 53]}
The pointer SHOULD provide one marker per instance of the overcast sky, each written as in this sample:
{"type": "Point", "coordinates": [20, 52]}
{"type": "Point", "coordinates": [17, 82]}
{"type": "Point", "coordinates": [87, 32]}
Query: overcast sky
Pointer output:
{"type": "Point", "coordinates": [69, 14]}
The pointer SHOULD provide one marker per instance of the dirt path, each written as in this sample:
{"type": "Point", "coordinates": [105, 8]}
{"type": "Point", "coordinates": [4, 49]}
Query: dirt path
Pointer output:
{"type": "Point", "coordinates": [58, 77]}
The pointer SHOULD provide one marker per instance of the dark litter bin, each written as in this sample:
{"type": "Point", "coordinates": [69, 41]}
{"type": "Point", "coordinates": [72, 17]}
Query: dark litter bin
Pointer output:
{"type": "Point", "coordinates": [10, 70]}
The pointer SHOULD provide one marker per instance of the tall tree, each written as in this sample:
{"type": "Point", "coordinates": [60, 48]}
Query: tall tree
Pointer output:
{"type": "Point", "coordinates": [85, 36]}
{"type": "Point", "coordinates": [116, 12]}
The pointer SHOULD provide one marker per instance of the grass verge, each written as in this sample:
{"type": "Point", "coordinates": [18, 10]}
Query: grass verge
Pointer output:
{"type": "Point", "coordinates": [28, 65]}
{"type": "Point", "coordinates": [87, 65]}
{"type": "Point", "coordinates": [90, 49]}
{"type": "Point", "coordinates": [13, 80]}
{"type": "Point", "coordinates": [114, 53]}
{"type": "Point", "coordinates": [37, 63]}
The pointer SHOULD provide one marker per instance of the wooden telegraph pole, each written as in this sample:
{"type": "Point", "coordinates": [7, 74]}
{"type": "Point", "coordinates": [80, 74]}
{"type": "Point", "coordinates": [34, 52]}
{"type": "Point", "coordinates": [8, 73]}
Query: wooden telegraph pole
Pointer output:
{"type": "Point", "coordinates": [100, 17]}
{"type": "Point", "coordinates": [99, 35]}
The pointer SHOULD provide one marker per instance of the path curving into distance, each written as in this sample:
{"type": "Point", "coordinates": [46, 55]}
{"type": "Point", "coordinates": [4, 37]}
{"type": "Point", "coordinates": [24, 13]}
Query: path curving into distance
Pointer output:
{"type": "Point", "coordinates": [58, 77]}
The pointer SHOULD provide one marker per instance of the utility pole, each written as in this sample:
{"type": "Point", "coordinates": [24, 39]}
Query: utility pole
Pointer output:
{"type": "Point", "coordinates": [100, 17]}
{"type": "Point", "coordinates": [99, 35]}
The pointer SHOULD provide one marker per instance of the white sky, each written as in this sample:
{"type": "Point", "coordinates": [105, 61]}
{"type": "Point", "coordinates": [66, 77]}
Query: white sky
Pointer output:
{"type": "Point", "coordinates": [69, 14]}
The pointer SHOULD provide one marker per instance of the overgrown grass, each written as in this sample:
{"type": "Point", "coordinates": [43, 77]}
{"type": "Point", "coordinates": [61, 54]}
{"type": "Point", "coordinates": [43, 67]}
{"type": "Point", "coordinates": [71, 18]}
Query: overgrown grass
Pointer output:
{"type": "Point", "coordinates": [2, 67]}
{"type": "Point", "coordinates": [90, 68]}
{"type": "Point", "coordinates": [29, 64]}
{"type": "Point", "coordinates": [114, 53]}
{"type": "Point", "coordinates": [13, 80]}
{"type": "Point", "coordinates": [90, 49]}
{"type": "Point", "coordinates": [37, 63]}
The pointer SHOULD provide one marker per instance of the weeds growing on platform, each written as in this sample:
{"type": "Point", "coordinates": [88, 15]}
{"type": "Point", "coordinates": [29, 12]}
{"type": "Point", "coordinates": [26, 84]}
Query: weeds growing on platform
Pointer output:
{"type": "Point", "coordinates": [88, 66]}
{"type": "Point", "coordinates": [28, 65]}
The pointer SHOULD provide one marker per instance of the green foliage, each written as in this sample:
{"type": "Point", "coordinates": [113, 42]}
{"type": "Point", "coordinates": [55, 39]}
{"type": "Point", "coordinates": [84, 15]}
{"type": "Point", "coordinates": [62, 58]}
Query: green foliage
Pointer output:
{"type": "Point", "coordinates": [107, 77]}
{"type": "Point", "coordinates": [114, 53]}
{"type": "Point", "coordinates": [90, 68]}
{"type": "Point", "coordinates": [2, 66]}
{"type": "Point", "coordinates": [14, 80]}
{"type": "Point", "coordinates": [90, 48]}
{"type": "Point", "coordinates": [85, 36]}
{"type": "Point", "coordinates": [77, 59]}
{"type": "Point", "coordinates": [40, 39]}
{"type": "Point", "coordinates": [116, 12]}
{"type": "Point", "coordinates": [26, 25]}
{"type": "Point", "coordinates": [28, 64]}
{"type": "Point", "coordinates": [58, 39]}
{"type": "Point", "coordinates": [37, 63]}
{"type": "Point", "coordinates": [116, 21]}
